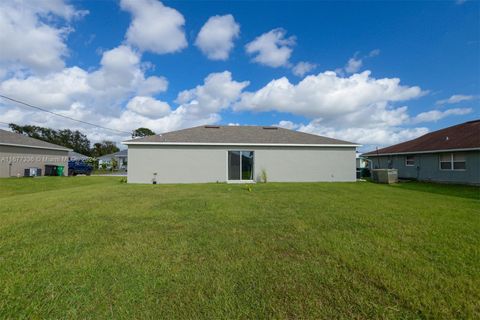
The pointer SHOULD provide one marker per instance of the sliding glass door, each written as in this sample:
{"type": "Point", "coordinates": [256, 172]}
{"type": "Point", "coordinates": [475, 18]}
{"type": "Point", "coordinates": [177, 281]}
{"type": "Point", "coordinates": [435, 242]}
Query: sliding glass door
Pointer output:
{"type": "Point", "coordinates": [240, 165]}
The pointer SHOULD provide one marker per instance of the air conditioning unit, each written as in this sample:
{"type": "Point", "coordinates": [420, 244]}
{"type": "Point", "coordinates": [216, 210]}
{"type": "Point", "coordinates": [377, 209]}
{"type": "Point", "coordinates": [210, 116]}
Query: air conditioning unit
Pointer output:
{"type": "Point", "coordinates": [33, 172]}
{"type": "Point", "coordinates": [385, 176]}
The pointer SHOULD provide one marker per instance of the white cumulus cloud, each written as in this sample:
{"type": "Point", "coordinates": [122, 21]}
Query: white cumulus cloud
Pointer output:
{"type": "Point", "coordinates": [272, 49]}
{"type": "Point", "coordinates": [28, 41]}
{"type": "Point", "coordinates": [328, 96]}
{"type": "Point", "coordinates": [96, 96]}
{"type": "Point", "coordinates": [217, 92]}
{"type": "Point", "coordinates": [119, 76]}
{"type": "Point", "coordinates": [148, 107]}
{"type": "Point", "coordinates": [358, 108]}
{"type": "Point", "coordinates": [456, 98]}
{"type": "Point", "coordinates": [370, 138]}
{"type": "Point", "coordinates": [216, 37]}
{"type": "Point", "coordinates": [302, 68]}
{"type": "Point", "coordinates": [287, 124]}
{"type": "Point", "coordinates": [353, 65]}
{"type": "Point", "coordinates": [435, 115]}
{"type": "Point", "coordinates": [154, 27]}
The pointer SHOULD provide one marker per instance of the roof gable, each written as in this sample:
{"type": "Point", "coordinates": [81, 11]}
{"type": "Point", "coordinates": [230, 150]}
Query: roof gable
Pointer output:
{"type": "Point", "coordinates": [462, 136]}
{"type": "Point", "coordinates": [212, 134]}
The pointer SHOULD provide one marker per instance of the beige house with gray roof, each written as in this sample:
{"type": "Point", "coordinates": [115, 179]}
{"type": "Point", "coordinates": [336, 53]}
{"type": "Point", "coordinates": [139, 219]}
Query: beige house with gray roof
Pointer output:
{"type": "Point", "coordinates": [19, 153]}
{"type": "Point", "coordinates": [239, 154]}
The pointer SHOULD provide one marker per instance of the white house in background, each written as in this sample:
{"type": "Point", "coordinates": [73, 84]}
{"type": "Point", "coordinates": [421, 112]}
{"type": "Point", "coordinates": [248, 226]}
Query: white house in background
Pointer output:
{"type": "Point", "coordinates": [121, 157]}
{"type": "Point", "coordinates": [239, 154]}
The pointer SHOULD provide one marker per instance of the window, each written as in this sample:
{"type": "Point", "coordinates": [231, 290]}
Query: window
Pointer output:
{"type": "Point", "coordinates": [410, 161]}
{"type": "Point", "coordinates": [247, 165]}
{"type": "Point", "coordinates": [240, 165]}
{"type": "Point", "coordinates": [446, 161]}
{"type": "Point", "coordinates": [452, 161]}
{"type": "Point", "coordinates": [234, 165]}
{"type": "Point", "coordinates": [459, 162]}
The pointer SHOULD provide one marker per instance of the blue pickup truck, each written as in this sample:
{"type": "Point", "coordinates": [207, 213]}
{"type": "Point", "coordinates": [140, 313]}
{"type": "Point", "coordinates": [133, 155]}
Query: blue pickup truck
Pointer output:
{"type": "Point", "coordinates": [79, 167]}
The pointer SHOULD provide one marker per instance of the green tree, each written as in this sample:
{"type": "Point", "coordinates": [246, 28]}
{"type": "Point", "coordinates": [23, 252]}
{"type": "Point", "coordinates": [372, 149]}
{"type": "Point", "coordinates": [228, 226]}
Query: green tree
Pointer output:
{"type": "Point", "coordinates": [114, 164]}
{"type": "Point", "coordinates": [67, 138]}
{"type": "Point", "coordinates": [105, 147]}
{"type": "Point", "coordinates": [142, 132]}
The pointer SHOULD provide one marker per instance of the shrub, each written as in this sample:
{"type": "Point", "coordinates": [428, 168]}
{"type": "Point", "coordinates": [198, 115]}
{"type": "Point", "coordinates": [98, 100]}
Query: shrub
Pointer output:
{"type": "Point", "coordinates": [92, 162]}
{"type": "Point", "coordinates": [263, 176]}
{"type": "Point", "coordinates": [114, 164]}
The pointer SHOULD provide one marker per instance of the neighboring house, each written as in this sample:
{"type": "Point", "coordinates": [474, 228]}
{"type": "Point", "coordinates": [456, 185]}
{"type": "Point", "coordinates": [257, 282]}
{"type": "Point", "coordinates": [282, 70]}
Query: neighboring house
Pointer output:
{"type": "Point", "coordinates": [121, 157]}
{"type": "Point", "coordinates": [239, 154]}
{"type": "Point", "coordinates": [448, 155]}
{"type": "Point", "coordinates": [72, 155]}
{"type": "Point", "coordinates": [19, 152]}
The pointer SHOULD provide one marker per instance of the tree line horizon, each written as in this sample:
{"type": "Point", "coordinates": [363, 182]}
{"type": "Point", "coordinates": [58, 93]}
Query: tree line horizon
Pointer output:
{"type": "Point", "coordinates": [74, 139]}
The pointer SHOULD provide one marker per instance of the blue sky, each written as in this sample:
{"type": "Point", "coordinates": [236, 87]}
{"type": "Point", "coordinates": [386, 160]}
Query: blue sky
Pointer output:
{"type": "Point", "coordinates": [401, 68]}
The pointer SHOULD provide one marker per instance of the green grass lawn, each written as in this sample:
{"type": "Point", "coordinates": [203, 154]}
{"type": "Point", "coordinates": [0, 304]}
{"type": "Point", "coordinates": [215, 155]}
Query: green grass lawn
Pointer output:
{"type": "Point", "coordinates": [92, 247]}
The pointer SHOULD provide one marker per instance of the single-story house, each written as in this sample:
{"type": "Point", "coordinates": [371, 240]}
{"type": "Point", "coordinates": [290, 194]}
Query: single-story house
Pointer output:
{"type": "Point", "coordinates": [121, 157]}
{"type": "Point", "coordinates": [449, 155]}
{"type": "Point", "coordinates": [19, 153]}
{"type": "Point", "coordinates": [239, 154]}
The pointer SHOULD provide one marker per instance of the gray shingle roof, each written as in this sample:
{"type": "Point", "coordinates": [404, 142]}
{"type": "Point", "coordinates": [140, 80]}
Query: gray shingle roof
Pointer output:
{"type": "Point", "coordinates": [121, 153]}
{"type": "Point", "coordinates": [239, 134]}
{"type": "Point", "coordinates": [461, 136]}
{"type": "Point", "coordinates": [77, 156]}
{"type": "Point", "coordinates": [12, 138]}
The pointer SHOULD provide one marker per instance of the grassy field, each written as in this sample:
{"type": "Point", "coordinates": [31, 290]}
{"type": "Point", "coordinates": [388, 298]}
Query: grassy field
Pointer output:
{"type": "Point", "coordinates": [92, 247]}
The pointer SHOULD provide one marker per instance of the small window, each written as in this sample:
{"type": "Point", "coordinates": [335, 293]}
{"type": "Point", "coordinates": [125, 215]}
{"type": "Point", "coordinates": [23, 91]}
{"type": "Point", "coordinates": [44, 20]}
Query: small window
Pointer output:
{"type": "Point", "coordinates": [459, 162]}
{"type": "Point", "coordinates": [410, 161]}
{"type": "Point", "coordinates": [446, 161]}
{"type": "Point", "coordinates": [446, 165]}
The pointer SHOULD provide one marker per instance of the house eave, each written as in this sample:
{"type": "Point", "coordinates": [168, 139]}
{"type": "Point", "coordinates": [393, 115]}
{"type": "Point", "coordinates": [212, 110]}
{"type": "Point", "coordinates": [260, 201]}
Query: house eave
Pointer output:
{"type": "Point", "coordinates": [35, 147]}
{"type": "Point", "coordinates": [241, 144]}
{"type": "Point", "coordinates": [417, 152]}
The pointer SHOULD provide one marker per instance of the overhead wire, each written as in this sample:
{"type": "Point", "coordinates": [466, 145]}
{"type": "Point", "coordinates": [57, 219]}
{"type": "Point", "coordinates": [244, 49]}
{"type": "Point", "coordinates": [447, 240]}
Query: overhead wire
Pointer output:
{"type": "Point", "coordinates": [59, 115]}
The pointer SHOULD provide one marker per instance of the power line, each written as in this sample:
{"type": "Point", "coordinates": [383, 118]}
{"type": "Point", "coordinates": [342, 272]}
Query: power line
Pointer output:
{"type": "Point", "coordinates": [60, 115]}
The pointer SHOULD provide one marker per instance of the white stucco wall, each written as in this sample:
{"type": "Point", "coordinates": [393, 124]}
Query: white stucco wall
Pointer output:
{"type": "Point", "coordinates": [14, 160]}
{"type": "Point", "coordinates": [196, 164]}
